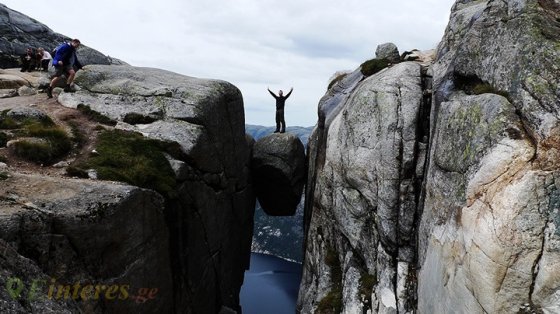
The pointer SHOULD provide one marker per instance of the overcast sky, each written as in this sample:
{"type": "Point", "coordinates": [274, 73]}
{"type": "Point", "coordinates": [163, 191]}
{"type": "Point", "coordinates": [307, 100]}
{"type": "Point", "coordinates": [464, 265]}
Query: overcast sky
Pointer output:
{"type": "Point", "coordinates": [253, 44]}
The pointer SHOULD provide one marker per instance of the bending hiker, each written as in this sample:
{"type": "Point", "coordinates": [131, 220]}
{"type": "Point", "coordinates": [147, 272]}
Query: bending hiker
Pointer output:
{"type": "Point", "coordinates": [43, 57]}
{"type": "Point", "coordinates": [28, 61]}
{"type": "Point", "coordinates": [280, 102]}
{"type": "Point", "coordinates": [65, 62]}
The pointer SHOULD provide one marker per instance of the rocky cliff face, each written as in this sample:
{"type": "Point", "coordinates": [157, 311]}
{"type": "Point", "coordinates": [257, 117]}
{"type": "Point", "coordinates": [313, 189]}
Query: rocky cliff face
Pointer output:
{"type": "Point", "coordinates": [72, 232]}
{"type": "Point", "coordinates": [192, 243]}
{"type": "Point", "coordinates": [488, 239]}
{"type": "Point", "coordinates": [211, 222]}
{"type": "Point", "coordinates": [442, 199]}
{"type": "Point", "coordinates": [20, 32]}
{"type": "Point", "coordinates": [365, 193]}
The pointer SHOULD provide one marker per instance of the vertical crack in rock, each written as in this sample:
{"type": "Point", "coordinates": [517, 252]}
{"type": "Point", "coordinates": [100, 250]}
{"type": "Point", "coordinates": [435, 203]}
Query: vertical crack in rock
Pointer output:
{"type": "Point", "coordinates": [211, 255]}
{"type": "Point", "coordinates": [178, 264]}
{"type": "Point", "coordinates": [410, 200]}
{"type": "Point", "coordinates": [536, 264]}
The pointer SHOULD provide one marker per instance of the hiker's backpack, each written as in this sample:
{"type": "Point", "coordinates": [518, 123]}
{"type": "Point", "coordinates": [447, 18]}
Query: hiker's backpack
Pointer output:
{"type": "Point", "coordinates": [53, 53]}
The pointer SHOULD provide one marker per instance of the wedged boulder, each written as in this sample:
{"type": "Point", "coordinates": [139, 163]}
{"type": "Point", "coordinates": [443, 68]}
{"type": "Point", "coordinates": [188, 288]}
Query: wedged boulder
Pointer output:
{"type": "Point", "coordinates": [278, 170]}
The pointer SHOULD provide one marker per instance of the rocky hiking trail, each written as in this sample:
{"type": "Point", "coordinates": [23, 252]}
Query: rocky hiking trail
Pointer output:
{"type": "Point", "coordinates": [82, 130]}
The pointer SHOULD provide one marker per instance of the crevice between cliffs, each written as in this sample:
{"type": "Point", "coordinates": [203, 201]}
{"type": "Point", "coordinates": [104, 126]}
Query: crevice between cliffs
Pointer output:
{"type": "Point", "coordinates": [410, 204]}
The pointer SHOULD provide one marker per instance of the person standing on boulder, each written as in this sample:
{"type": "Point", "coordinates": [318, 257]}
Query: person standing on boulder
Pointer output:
{"type": "Point", "coordinates": [65, 62]}
{"type": "Point", "coordinates": [280, 102]}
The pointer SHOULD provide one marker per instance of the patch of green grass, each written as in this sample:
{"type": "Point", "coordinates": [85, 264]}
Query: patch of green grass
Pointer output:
{"type": "Point", "coordinates": [8, 123]}
{"type": "Point", "coordinates": [11, 123]}
{"type": "Point", "coordinates": [473, 85]}
{"type": "Point", "coordinates": [4, 138]}
{"type": "Point", "coordinates": [367, 283]}
{"type": "Point", "coordinates": [76, 172]}
{"type": "Point", "coordinates": [483, 88]}
{"type": "Point", "coordinates": [4, 176]}
{"type": "Point", "coordinates": [96, 116]}
{"type": "Point", "coordinates": [331, 260]}
{"type": "Point", "coordinates": [129, 157]}
{"type": "Point", "coordinates": [332, 302]}
{"type": "Point", "coordinates": [373, 66]}
{"type": "Point", "coordinates": [137, 118]}
{"type": "Point", "coordinates": [56, 144]}
{"type": "Point", "coordinates": [78, 136]}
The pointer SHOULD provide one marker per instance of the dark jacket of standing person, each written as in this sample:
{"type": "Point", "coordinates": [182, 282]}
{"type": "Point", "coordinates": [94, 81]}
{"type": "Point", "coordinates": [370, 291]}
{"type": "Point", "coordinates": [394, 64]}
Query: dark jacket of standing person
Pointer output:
{"type": "Point", "coordinates": [65, 62]}
{"type": "Point", "coordinates": [67, 54]}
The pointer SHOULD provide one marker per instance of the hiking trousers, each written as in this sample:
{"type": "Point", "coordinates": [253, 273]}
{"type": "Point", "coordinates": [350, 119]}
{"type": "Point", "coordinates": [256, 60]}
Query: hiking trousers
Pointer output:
{"type": "Point", "coordinates": [280, 122]}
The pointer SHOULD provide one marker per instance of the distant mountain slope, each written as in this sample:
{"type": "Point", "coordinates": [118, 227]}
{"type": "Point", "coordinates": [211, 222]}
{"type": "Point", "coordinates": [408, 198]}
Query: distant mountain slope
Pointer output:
{"type": "Point", "coordinates": [279, 236]}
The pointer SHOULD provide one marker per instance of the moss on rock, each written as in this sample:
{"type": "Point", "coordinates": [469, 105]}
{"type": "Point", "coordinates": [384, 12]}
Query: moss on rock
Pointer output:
{"type": "Point", "coordinates": [129, 157]}
{"type": "Point", "coordinates": [332, 302]}
{"type": "Point", "coordinates": [373, 66]}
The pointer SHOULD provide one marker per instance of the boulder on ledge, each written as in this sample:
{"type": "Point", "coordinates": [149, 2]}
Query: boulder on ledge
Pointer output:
{"type": "Point", "coordinates": [388, 51]}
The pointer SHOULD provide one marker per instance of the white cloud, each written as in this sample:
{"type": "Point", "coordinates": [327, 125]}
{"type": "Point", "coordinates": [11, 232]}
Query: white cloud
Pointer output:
{"type": "Point", "coordinates": [253, 44]}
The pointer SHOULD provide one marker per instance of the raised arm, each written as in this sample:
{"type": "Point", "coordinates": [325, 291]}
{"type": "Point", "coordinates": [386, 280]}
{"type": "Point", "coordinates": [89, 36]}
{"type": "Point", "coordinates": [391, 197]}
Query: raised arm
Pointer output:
{"type": "Point", "coordinates": [271, 93]}
{"type": "Point", "coordinates": [291, 90]}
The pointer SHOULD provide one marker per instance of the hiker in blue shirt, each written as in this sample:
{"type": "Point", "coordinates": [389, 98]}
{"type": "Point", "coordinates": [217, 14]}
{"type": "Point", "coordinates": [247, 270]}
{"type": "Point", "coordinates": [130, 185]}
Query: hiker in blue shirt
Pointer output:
{"type": "Point", "coordinates": [65, 62]}
{"type": "Point", "coordinates": [280, 102]}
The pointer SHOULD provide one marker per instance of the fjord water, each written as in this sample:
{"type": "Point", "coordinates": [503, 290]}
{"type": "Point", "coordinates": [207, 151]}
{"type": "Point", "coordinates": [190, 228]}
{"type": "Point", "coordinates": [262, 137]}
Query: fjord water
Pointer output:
{"type": "Point", "coordinates": [271, 285]}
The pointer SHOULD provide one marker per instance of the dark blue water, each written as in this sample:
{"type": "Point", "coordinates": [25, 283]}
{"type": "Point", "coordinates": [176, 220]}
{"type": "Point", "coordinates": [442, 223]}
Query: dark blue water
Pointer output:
{"type": "Point", "coordinates": [271, 286]}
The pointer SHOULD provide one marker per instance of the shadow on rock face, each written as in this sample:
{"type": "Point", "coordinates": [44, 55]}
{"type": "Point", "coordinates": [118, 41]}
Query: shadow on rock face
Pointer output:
{"type": "Point", "coordinates": [278, 166]}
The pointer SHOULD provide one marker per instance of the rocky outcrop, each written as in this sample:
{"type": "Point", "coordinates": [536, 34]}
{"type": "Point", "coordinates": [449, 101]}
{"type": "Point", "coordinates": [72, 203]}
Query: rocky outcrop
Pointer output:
{"type": "Point", "coordinates": [388, 51]}
{"type": "Point", "coordinates": [20, 32]}
{"type": "Point", "coordinates": [278, 170]}
{"type": "Point", "coordinates": [82, 234]}
{"type": "Point", "coordinates": [488, 240]}
{"type": "Point", "coordinates": [442, 199]}
{"type": "Point", "coordinates": [193, 244]}
{"type": "Point", "coordinates": [187, 251]}
{"type": "Point", "coordinates": [363, 200]}
{"type": "Point", "coordinates": [211, 222]}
